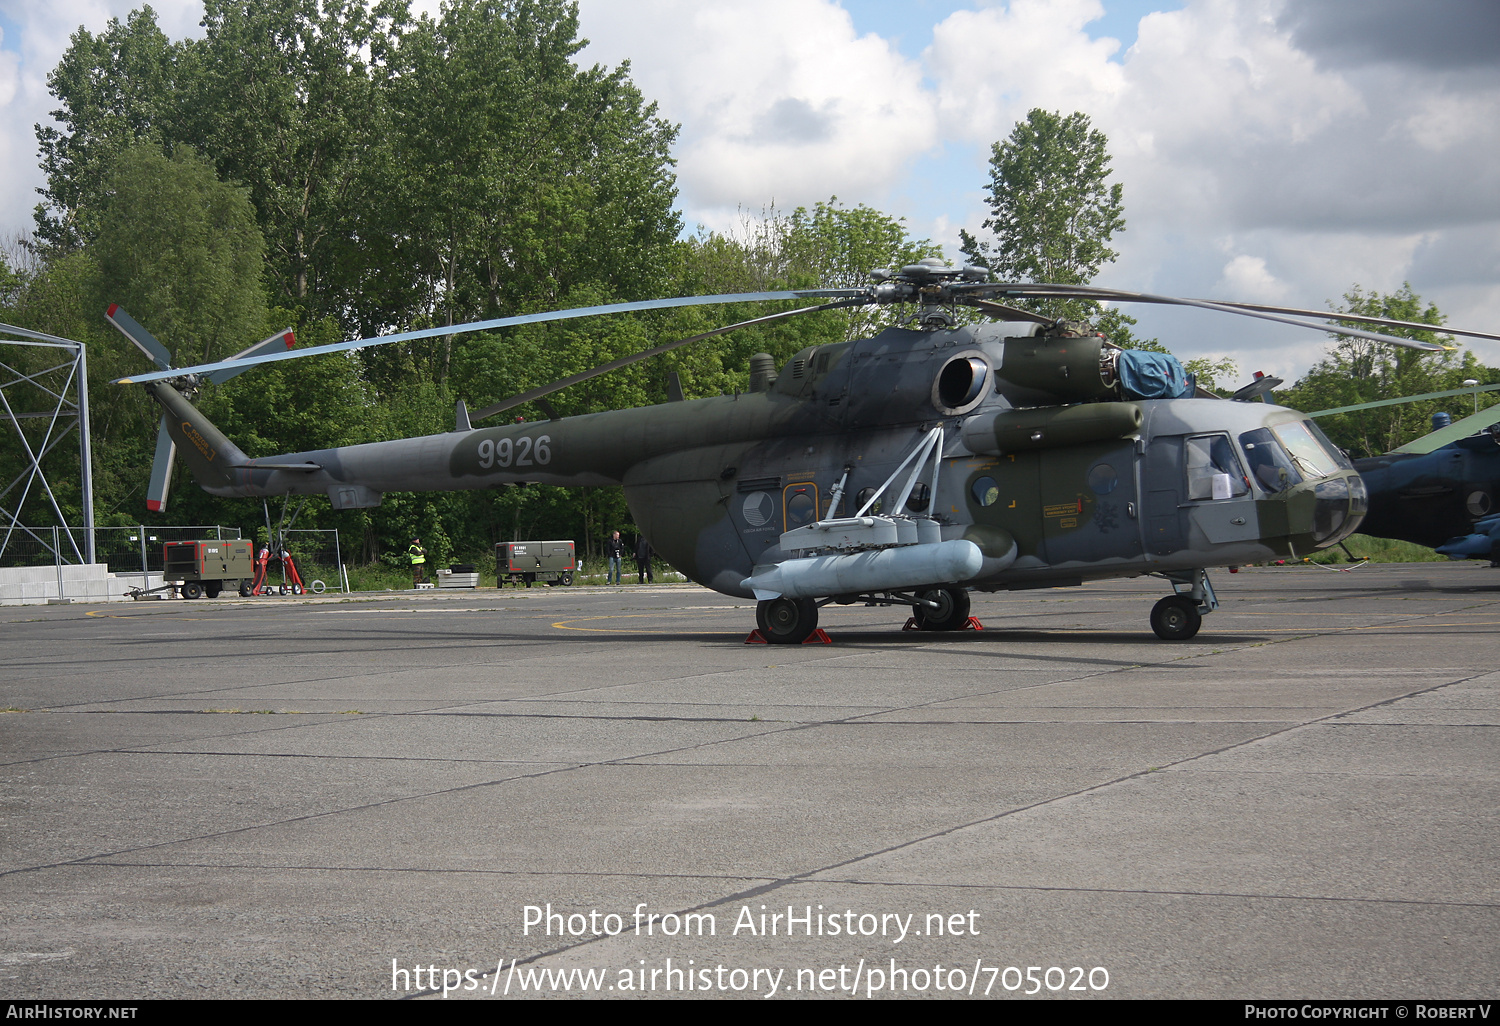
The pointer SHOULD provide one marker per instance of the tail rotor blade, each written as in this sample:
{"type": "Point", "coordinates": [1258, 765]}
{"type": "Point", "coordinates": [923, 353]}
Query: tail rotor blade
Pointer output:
{"type": "Point", "coordinates": [283, 339]}
{"type": "Point", "coordinates": [161, 469]}
{"type": "Point", "coordinates": [143, 339]}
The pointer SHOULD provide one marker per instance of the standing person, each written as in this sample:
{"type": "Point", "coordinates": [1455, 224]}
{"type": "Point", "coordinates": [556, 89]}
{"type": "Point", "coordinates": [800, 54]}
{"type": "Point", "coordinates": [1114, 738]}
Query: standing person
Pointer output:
{"type": "Point", "coordinates": [418, 557]}
{"type": "Point", "coordinates": [615, 550]}
{"type": "Point", "coordinates": [643, 556]}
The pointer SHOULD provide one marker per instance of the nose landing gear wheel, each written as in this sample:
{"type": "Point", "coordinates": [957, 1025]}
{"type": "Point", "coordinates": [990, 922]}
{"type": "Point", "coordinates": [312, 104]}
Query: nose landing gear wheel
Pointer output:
{"type": "Point", "coordinates": [785, 621]}
{"type": "Point", "coordinates": [1176, 618]}
{"type": "Point", "coordinates": [952, 613]}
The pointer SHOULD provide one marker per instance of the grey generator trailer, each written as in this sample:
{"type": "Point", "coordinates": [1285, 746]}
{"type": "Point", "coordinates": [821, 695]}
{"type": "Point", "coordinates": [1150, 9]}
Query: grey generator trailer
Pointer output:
{"type": "Point", "coordinates": [531, 561]}
{"type": "Point", "coordinates": [209, 567]}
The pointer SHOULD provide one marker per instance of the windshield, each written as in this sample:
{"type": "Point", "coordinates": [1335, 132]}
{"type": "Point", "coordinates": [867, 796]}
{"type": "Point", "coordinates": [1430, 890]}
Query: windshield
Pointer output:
{"type": "Point", "coordinates": [1270, 464]}
{"type": "Point", "coordinates": [1307, 451]}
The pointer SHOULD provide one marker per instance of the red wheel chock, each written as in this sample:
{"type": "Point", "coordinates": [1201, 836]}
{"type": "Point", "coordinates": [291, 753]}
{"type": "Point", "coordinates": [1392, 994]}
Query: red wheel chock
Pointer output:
{"type": "Point", "coordinates": [972, 624]}
{"type": "Point", "coordinates": [817, 637]}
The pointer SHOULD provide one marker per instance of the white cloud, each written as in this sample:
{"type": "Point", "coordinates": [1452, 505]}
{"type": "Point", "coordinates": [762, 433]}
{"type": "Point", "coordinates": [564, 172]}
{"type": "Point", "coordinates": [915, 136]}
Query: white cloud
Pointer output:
{"type": "Point", "coordinates": [1246, 276]}
{"type": "Point", "coordinates": [780, 100]}
{"type": "Point", "coordinates": [1255, 159]}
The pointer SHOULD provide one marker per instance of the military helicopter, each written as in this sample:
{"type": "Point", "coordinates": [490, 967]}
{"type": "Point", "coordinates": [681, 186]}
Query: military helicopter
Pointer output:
{"type": "Point", "coordinates": [1439, 490]}
{"type": "Point", "coordinates": [903, 469]}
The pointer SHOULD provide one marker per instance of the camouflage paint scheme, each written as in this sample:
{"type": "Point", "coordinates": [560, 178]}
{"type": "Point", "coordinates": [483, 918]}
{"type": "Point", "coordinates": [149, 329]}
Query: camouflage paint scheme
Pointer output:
{"type": "Point", "coordinates": [1085, 486]}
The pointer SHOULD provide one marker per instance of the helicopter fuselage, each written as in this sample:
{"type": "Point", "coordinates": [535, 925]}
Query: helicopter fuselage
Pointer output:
{"type": "Point", "coordinates": [1042, 467]}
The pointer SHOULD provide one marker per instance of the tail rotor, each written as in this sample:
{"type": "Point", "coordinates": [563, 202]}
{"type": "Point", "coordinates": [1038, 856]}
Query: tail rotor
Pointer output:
{"type": "Point", "coordinates": [166, 449]}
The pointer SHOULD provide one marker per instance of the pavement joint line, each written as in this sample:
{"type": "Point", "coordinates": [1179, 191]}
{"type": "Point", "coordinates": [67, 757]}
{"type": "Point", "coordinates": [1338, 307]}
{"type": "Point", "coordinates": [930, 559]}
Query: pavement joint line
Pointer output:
{"type": "Point", "coordinates": [564, 874]}
{"type": "Point", "coordinates": [1041, 888]}
{"type": "Point", "coordinates": [807, 875]}
{"type": "Point", "coordinates": [568, 766]}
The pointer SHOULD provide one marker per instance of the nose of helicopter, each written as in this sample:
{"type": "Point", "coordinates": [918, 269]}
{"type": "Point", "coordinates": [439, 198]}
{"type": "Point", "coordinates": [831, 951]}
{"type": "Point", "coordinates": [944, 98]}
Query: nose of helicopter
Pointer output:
{"type": "Point", "coordinates": [1341, 503]}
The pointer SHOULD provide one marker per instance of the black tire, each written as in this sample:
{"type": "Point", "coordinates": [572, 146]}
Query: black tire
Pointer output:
{"type": "Point", "coordinates": [245, 588]}
{"type": "Point", "coordinates": [953, 614]}
{"type": "Point", "coordinates": [1176, 618]}
{"type": "Point", "coordinates": [211, 589]}
{"type": "Point", "coordinates": [785, 621]}
{"type": "Point", "coordinates": [296, 589]}
{"type": "Point", "coordinates": [567, 578]}
{"type": "Point", "coordinates": [192, 590]}
{"type": "Point", "coordinates": [530, 579]}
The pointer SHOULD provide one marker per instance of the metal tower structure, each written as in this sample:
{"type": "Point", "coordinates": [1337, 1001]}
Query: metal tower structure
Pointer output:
{"type": "Point", "coordinates": [43, 407]}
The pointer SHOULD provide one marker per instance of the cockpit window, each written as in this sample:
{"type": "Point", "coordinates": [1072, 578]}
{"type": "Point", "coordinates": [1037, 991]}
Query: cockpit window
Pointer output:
{"type": "Point", "coordinates": [1307, 451]}
{"type": "Point", "coordinates": [1213, 471]}
{"type": "Point", "coordinates": [1270, 464]}
{"type": "Point", "coordinates": [1338, 454]}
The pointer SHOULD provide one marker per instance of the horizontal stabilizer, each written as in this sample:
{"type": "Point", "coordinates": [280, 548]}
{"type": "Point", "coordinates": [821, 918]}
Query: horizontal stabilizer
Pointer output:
{"type": "Point", "coordinates": [305, 467]}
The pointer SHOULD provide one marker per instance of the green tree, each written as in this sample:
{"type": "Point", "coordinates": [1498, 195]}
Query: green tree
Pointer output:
{"type": "Point", "coordinates": [287, 96]}
{"type": "Point", "coordinates": [1052, 212]}
{"type": "Point", "coordinates": [181, 251]}
{"type": "Point", "coordinates": [115, 89]}
{"type": "Point", "coordinates": [1358, 370]}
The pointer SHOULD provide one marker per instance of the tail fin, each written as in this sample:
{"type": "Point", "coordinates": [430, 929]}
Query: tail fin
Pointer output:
{"type": "Point", "coordinates": [210, 457]}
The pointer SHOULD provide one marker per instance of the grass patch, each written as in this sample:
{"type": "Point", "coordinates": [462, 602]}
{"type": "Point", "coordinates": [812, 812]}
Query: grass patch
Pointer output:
{"type": "Point", "coordinates": [1379, 550]}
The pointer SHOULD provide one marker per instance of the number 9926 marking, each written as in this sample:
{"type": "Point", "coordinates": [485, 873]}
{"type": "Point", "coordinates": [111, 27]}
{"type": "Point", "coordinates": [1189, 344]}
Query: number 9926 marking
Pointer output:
{"type": "Point", "coordinates": [524, 451]}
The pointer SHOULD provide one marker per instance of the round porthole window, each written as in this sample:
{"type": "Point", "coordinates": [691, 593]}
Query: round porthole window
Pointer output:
{"type": "Point", "coordinates": [800, 509]}
{"type": "Point", "coordinates": [1103, 479]}
{"type": "Point", "coordinates": [986, 491]}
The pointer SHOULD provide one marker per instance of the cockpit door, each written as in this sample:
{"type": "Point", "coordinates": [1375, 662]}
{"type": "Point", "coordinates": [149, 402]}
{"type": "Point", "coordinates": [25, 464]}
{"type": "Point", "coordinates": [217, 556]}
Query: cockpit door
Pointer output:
{"type": "Point", "coordinates": [1219, 498]}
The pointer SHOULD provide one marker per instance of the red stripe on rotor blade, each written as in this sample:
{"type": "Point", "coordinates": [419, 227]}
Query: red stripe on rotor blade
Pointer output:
{"type": "Point", "coordinates": [153, 505]}
{"type": "Point", "coordinates": [112, 308]}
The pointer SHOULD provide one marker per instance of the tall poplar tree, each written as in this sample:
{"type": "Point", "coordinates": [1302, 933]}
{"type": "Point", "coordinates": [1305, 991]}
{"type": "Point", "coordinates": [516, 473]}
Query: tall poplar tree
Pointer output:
{"type": "Point", "coordinates": [1052, 210]}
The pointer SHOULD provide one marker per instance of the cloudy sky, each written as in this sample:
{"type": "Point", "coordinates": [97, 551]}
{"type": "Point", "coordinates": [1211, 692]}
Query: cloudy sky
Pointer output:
{"type": "Point", "coordinates": [1270, 150]}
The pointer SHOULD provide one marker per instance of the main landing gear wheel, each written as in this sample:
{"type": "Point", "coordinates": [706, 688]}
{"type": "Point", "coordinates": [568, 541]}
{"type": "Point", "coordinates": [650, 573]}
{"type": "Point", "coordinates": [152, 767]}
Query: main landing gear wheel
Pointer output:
{"type": "Point", "coordinates": [952, 613]}
{"type": "Point", "coordinates": [1176, 618]}
{"type": "Point", "coordinates": [785, 621]}
{"type": "Point", "coordinates": [192, 590]}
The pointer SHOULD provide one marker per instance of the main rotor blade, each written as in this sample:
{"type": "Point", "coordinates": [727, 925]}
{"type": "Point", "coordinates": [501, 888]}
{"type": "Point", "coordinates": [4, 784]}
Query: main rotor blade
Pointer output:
{"type": "Point", "coordinates": [1012, 313]}
{"type": "Point", "coordinates": [1389, 322]}
{"type": "Point", "coordinates": [502, 322]}
{"type": "Point", "coordinates": [1471, 390]}
{"type": "Point", "coordinates": [626, 361]}
{"type": "Point", "coordinates": [1043, 291]}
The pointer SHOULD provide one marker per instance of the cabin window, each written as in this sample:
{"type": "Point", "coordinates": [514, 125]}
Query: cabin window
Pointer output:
{"type": "Point", "coordinates": [1103, 479]}
{"type": "Point", "coordinates": [1213, 471]}
{"type": "Point", "coordinates": [986, 491]}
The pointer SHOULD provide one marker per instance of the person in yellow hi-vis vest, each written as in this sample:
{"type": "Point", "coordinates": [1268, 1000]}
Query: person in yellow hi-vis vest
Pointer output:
{"type": "Point", "coordinates": [418, 557]}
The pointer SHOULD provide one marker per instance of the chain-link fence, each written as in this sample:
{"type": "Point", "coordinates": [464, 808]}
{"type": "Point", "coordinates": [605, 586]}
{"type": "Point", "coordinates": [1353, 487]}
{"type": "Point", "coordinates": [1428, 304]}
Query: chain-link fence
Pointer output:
{"type": "Point", "coordinates": [123, 549]}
